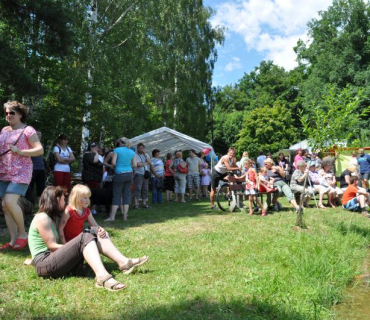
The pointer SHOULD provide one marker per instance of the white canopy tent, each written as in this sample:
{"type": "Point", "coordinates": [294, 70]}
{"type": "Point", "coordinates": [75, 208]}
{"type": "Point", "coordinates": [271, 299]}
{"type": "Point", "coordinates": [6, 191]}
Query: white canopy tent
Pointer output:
{"type": "Point", "coordinates": [168, 140]}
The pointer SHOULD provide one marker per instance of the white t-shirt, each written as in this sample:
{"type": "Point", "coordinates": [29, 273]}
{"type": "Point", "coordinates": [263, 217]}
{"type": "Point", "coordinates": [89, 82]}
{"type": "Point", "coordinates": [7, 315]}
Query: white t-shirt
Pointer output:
{"type": "Point", "coordinates": [354, 161]}
{"type": "Point", "coordinates": [64, 154]}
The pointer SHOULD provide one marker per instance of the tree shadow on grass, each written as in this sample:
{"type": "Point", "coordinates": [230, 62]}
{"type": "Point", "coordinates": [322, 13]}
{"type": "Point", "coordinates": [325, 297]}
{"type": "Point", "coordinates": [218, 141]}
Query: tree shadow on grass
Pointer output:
{"type": "Point", "coordinates": [187, 310]}
{"type": "Point", "coordinates": [353, 228]}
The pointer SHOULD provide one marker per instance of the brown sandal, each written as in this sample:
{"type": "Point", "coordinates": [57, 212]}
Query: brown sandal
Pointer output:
{"type": "Point", "coordinates": [108, 283]}
{"type": "Point", "coordinates": [131, 266]}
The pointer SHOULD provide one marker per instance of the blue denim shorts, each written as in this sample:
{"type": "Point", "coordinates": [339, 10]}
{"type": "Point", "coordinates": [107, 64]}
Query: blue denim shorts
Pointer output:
{"type": "Point", "coordinates": [14, 188]}
{"type": "Point", "coordinates": [352, 205]}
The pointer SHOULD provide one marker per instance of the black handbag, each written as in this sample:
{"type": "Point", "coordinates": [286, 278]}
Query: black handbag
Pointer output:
{"type": "Point", "coordinates": [159, 184]}
{"type": "Point", "coordinates": [147, 174]}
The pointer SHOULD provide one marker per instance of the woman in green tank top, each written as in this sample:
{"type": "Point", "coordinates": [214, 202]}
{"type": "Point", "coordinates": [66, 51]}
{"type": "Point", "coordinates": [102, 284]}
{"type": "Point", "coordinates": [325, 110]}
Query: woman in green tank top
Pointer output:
{"type": "Point", "coordinates": [56, 260]}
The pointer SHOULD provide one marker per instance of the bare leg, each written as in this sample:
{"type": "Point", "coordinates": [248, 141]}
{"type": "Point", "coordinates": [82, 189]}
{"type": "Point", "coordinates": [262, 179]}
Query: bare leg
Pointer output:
{"type": "Point", "coordinates": [109, 250]}
{"type": "Point", "coordinates": [212, 197]}
{"type": "Point", "coordinates": [294, 204]}
{"type": "Point", "coordinates": [197, 193]}
{"type": "Point", "coordinates": [92, 257]}
{"type": "Point", "coordinates": [182, 197]}
{"type": "Point", "coordinates": [366, 183]}
{"type": "Point", "coordinates": [11, 225]}
{"type": "Point", "coordinates": [113, 212]}
{"type": "Point", "coordinates": [362, 200]}
{"type": "Point", "coordinates": [250, 203]}
{"type": "Point", "coordinates": [124, 210]}
{"type": "Point", "coordinates": [15, 213]}
{"type": "Point", "coordinates": [190, 193]}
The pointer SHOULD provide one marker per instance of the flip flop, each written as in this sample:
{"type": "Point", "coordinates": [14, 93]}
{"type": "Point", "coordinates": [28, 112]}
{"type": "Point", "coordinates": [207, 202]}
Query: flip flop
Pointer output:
{"type": "Point", "coordinates": [20, 244]}
{"type": "Point", "coordinates": [6, 246]}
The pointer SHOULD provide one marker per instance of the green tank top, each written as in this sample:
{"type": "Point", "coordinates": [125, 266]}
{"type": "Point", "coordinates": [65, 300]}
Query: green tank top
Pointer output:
{"type": "Point", "coordinates": [35, 242]}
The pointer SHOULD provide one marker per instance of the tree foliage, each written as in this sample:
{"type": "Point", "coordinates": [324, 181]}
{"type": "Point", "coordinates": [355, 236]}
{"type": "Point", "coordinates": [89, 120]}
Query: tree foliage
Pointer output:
{"type": "Point", "coordinates": [267, 128]}
{"type": "Point", "coordinates": [150, 64]}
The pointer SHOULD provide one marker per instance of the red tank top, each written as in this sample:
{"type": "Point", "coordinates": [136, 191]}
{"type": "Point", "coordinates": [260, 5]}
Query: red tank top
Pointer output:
{"type": "Point", "coordinates": [75, 223]}
{"type": "Point", "coordinates": [167, 166]}
{"type": "Point", "coordinates": [251, 176]}
{"type": "Point", "coordinates": [252, 180]}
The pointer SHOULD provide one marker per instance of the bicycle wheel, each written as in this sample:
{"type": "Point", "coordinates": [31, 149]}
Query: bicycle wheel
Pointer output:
{"type": "Point", "coordinates": [224, 197]}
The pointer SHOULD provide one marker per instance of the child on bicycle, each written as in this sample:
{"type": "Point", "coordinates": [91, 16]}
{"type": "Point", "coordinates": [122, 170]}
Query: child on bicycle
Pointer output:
{"type": "Point", "coordinates": [251, 185]}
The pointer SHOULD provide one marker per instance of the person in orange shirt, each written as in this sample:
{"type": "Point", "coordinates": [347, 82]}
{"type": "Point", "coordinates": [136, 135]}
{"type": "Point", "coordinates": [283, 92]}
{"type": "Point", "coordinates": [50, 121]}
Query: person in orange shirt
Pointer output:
{"type": "Point", "coordinates": [355, 199]}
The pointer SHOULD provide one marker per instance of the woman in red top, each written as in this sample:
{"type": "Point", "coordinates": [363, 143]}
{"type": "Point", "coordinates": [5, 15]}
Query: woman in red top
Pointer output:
{"type": "Point", "coordinates": [72, 223]}
{"type": "Point", "coordinates": [169, 180]}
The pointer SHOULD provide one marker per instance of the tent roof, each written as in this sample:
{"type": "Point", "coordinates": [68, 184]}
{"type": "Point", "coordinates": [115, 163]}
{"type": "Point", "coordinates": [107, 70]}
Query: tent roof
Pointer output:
{"type": "Point", "coordinates": [168, 140]}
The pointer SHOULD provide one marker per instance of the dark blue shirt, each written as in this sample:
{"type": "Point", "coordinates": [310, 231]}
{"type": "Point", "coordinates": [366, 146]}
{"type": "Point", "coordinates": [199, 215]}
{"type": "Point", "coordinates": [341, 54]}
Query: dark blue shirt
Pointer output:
{"type": "Point", "coordinates": [38, 162]}
{"type": "Point", "coordinates": [364, 163]}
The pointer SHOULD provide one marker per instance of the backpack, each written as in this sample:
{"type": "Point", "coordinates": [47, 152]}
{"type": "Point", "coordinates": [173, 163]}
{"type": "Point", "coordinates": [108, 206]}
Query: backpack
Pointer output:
{"type": "Point", "coordinates": [52, 160]}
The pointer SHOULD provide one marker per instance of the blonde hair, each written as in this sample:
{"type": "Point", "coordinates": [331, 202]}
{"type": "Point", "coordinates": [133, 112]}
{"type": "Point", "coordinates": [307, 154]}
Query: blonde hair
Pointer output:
{"type": "Point", "coordinates": [352, 167]}
{"type": "Point", "coordinates": [78, 192]}
{"type": "Point", "coordinates": [263, 169]}
{"type": "Point", "coordinates": [126, 142]}
{"type": "Point", "coordinates": [245, 154]}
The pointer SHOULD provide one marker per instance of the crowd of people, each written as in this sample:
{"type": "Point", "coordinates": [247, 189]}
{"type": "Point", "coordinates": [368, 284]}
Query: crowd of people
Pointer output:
{"type": "Point", "coordinates": [127, 173]}
{"type": "Point", "coordinates": [307, 175]}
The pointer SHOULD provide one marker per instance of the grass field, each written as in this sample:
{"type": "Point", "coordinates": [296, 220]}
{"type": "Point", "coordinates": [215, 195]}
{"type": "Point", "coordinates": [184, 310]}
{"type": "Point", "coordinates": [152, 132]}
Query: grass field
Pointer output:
{"type": "Point", "coordinates": [203, 265]}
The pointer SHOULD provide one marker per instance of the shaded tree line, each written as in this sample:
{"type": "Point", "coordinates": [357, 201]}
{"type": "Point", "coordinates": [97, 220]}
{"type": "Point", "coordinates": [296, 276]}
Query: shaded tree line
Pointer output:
{"type": "Point", "coordinates": [144, 64]}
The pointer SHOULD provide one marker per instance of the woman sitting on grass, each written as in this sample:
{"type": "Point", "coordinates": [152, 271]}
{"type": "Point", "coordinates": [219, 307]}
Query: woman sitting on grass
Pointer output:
{"type": "Point", "coordinates": [72, 223]}
{"type": "Point", "coordinates": [55, 260]}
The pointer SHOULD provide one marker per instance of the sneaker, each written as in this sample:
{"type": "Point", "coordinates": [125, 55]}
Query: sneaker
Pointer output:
{"type": "Point", "coordinates": [214, 208]}
{"type": "Point", "coordinates": [93, 212]}
{"type": "Point", "coordinates": [276, 206]}
{"type": "Point", "coordinates": [297, 209]}
{"type": "Point", "coordinates": [279, 205]}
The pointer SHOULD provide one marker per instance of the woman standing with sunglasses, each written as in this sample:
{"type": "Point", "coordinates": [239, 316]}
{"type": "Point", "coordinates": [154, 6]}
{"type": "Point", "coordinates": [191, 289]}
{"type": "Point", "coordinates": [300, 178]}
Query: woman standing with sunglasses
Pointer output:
{"type": "Point", "coordinates": [18, 143]}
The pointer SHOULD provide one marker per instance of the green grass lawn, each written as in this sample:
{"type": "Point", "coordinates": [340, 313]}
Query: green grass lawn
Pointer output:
{"type": "Point", "coordinates": [203, 265]}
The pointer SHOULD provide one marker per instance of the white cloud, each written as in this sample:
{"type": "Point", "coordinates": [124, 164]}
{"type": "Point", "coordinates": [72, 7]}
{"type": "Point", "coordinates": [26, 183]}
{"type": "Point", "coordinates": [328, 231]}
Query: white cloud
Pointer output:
{"type": "Point", "coordinates": [233, 64]}
{"type": "Point", "coordinates": [272, 27]}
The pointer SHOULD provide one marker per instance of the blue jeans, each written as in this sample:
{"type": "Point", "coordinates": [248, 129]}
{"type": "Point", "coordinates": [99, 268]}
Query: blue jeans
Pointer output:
{"type": "Point", "coordinates": [156, 193]}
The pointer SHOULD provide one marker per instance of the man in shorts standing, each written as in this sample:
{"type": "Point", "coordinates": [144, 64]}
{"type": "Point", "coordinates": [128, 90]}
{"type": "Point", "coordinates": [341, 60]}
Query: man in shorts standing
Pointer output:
{"type": "Point", "coordinates": [193, 163]}
{"type": "Point", "coordinates": [364, 170]}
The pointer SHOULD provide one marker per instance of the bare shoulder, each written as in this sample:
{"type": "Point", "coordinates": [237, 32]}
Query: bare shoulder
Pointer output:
{"type": "Point", "coordinates": [41, 219]}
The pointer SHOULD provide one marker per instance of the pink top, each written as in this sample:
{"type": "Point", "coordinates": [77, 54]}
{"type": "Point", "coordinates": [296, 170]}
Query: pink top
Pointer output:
{"type": "Point", "coordinates": [296, 159]}
{"type": "Point", "coordinates": [14, 167]}
{"type": "Point", "coordinates": [251, 184]}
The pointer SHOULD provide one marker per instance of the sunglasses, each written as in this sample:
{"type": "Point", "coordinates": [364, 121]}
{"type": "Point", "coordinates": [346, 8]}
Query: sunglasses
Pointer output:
{"type": "Point", "coordinates": [11, 113]}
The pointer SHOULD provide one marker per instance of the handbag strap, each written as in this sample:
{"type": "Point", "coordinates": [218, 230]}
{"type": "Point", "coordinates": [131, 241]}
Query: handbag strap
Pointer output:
{"type": "Point", "coordinates": [15, 142]}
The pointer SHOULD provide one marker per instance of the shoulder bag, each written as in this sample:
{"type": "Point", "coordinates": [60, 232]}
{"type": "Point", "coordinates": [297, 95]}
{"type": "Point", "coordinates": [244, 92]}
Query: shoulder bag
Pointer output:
{"type": "Point", "coordinates": [15, 142]}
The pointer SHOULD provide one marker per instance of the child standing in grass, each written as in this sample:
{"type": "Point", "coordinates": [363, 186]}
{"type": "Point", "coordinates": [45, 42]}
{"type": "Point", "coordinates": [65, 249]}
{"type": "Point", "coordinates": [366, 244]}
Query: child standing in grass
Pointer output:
{"type": "Point", "coordinates": [206, 178]}
{"type": "Point", "coordinates": [251, 182]}
{"type": "Point", "coordinates": [72, 224]}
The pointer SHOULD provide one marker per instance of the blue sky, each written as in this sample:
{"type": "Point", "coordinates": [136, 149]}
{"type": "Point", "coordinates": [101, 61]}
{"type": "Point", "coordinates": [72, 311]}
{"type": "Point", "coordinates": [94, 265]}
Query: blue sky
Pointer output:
{"type": "Point", "coordinates": [259, 30]}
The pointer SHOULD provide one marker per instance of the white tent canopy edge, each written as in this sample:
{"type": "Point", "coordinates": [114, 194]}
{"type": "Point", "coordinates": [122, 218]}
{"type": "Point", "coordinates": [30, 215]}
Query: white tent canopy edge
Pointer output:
{"type": "Point", "coordinates": [168, 140]}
